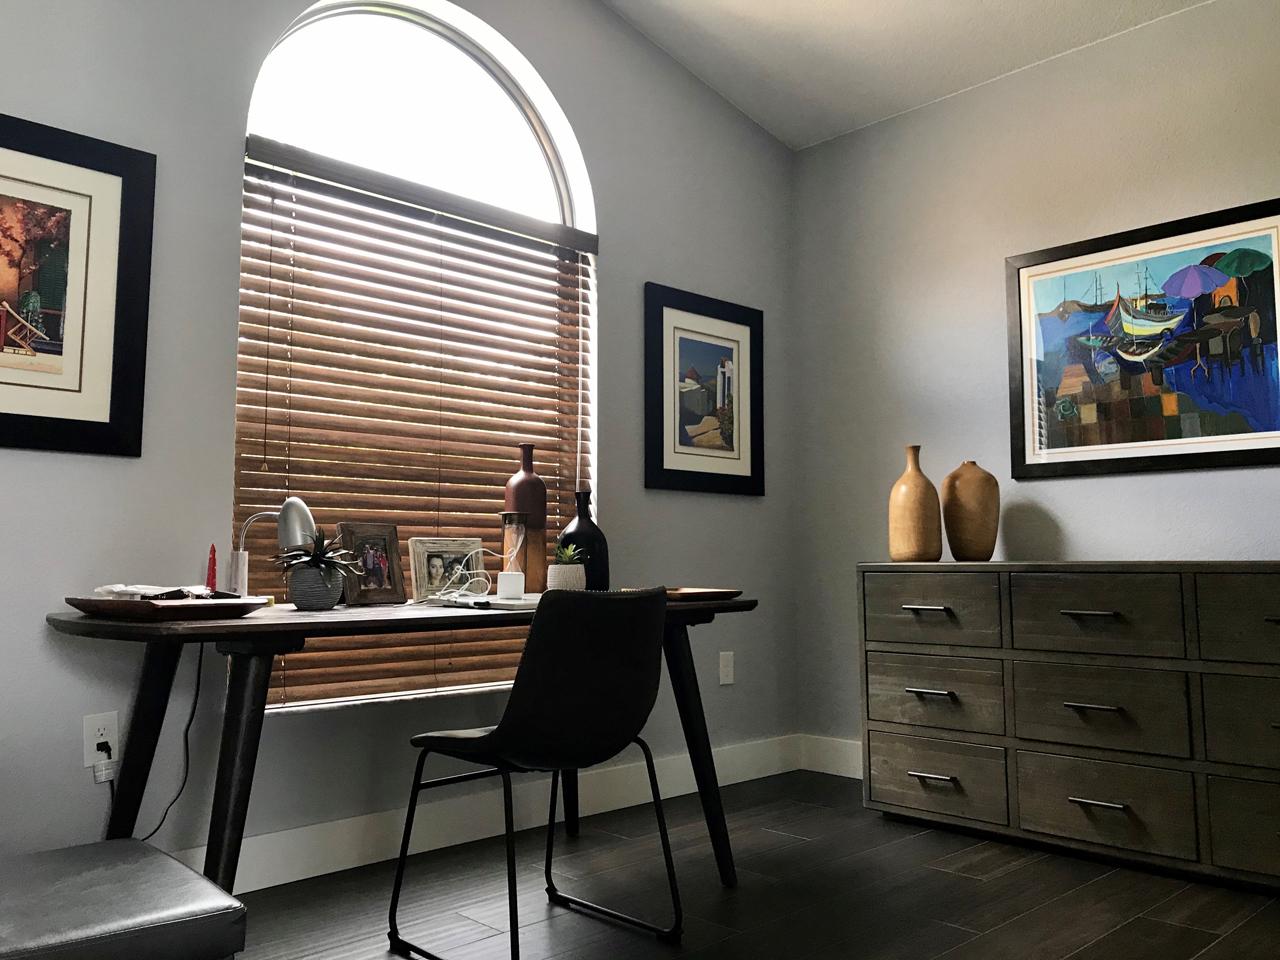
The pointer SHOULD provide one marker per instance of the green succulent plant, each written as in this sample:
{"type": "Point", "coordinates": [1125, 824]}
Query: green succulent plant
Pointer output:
{"type": "Point", "coordinates": [569, 555]}
{"type": "Point", "coordinates": [327, 556]}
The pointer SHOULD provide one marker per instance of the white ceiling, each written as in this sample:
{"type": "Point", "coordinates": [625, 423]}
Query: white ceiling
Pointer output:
{"type": "Point", "coordinates": [810, 70]}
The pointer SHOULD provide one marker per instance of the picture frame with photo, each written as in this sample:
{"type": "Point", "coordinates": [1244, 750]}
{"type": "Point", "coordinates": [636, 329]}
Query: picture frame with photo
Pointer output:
{"type": "Point", "coordinates": [376, 548]}
{"type": "Point", "coordinates": [704, 393]}
{"type": "Point", "coordinates": [441, 563]}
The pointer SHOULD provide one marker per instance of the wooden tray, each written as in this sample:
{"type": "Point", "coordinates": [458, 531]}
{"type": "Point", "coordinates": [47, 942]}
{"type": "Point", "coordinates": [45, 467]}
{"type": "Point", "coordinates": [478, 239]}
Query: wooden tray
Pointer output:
{"type": "Point", "coordinates": [691, 594]}
{"type": "Point", "coordinates": [113, 608]}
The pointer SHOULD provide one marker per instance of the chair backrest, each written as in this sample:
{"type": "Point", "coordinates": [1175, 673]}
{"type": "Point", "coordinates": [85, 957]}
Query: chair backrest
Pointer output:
{"type": "Point", "coordinates": [588, 678]}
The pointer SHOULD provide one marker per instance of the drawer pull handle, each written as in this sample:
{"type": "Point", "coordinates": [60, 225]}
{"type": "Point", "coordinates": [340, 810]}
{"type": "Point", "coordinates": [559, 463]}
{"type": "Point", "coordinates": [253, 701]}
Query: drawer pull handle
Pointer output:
{"type": "Point", "coordinates": [931, 777]}
{"type": "Point", "coordinates": [923, 692]}
{"type": "Point", "coordinates": [1100, 804]}
{"type": "Point", "coordinates": [925, 608]}
{"type": "Point", "coordinates": [1100, 707]}
{"type": "Point", "coordinates": [1276, 726]}
{"type": "Point", "coordinates": [1090, 613]}
{"type": "Point", "coordinates": [1271, 619]}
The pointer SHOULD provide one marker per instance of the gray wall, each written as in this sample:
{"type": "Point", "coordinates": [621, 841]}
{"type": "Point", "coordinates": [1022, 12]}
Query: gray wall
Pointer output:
{"type": "Point", "coordinates": [903, 228]}
{"type": "Point", "coordinates": [688, 193]}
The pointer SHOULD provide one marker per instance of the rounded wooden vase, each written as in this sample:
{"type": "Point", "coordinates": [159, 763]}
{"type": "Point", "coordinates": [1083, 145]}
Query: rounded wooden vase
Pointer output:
{"type": "Point", "coordinates": [915, 522]}
{"type": "Point", "coordinates": [971, 511]}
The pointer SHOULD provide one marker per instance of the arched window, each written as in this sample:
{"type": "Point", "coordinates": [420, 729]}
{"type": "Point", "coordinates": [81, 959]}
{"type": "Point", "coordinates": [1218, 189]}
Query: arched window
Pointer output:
{"type": "Point", "coordinates": [416, 270]}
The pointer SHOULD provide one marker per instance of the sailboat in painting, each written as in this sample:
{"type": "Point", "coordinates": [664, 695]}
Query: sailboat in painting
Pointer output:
{"type": "Point", "coordinates": [1126, 320]}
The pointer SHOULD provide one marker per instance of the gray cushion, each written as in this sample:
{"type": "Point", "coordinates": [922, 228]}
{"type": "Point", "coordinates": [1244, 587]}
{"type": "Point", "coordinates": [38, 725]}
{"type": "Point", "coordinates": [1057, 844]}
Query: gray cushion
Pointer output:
{"type": "Point", "coordinates": [114, 900]}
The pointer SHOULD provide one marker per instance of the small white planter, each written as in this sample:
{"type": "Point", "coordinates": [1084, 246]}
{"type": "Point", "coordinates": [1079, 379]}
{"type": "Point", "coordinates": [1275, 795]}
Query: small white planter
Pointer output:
{"type": "Point", "coordinates": [566, 576]}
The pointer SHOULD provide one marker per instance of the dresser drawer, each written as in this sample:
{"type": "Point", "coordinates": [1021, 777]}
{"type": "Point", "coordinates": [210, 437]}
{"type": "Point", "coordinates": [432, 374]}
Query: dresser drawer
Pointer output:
{"type": "Point", "coordinates": [1117, 708]}
{"type": "Point", "coordinates": [1113, 613]}
{"type": "Point", "coordinates": [1242, 720]}
{"type": "Point", "coordinates": [959, 608]}
{"type": "Point", "coordinates": [940, 776]}
{"type": "Point", "coordinates": [958, 693]}
{"type": "Point", "coordinates": [1239, 616]}
{"type": "Point", "coordinates": [1117, 804]}
{"type": "Point", "coordinates": [1244, 824]}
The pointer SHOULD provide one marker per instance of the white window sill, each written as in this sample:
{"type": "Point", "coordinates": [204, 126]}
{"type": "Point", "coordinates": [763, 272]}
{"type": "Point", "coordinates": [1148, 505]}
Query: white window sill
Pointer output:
{"type": "Point", "coordinates": [311, 706]}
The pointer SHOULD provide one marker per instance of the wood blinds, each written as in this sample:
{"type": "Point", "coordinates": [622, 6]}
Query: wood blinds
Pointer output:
{"type": "Point", "coordinates": [395, 345]}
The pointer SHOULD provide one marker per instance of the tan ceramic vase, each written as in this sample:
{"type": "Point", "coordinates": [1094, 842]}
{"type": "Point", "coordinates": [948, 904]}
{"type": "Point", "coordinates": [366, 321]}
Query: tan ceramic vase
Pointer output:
{"type": "Point", "coordinates": [915, 523]}
{"type": "Point", "coordinates": [971, 511]}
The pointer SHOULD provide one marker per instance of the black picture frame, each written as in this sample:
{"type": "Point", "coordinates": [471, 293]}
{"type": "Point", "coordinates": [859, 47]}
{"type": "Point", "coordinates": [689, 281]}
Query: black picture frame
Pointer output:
{"type": "Point", "coordinates": [658, 298]}
{"type": "Point", "coordinates": [1021, 469]}
{"type": "Point", "coordinates": [121, 434]}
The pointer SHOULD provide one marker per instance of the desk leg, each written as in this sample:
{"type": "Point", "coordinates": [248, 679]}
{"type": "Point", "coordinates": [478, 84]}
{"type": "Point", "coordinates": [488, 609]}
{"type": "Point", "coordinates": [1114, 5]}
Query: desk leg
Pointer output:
{"type": "Point", "coordinates": [159, 663]}
{"type": "Point", "coordinates": [569, 779]}
{"type": "Point", "coordinates": [241, 731]}
{"type": "Point", "coordinates": [684, 683]}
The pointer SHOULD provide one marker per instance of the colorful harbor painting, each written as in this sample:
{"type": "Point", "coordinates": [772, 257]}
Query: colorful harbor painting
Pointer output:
{"type": "Point", "coordinates": [1162, 349]}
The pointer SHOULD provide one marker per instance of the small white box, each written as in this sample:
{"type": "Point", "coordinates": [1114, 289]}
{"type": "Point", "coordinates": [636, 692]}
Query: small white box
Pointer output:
{"type": "Point", "coordinates": [511, 586]}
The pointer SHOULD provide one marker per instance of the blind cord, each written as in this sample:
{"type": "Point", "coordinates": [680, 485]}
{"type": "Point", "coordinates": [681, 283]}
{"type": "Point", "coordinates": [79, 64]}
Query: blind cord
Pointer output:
{"type": "Point", "coordinates": [186, 745]}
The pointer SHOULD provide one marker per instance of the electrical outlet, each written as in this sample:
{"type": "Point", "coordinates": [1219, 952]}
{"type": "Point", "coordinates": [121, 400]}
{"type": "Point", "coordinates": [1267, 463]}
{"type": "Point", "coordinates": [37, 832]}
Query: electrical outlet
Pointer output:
{"type": "Point", "coordinates": [726, 667]}
{"type": "Point", "coordinates": [99, 727]}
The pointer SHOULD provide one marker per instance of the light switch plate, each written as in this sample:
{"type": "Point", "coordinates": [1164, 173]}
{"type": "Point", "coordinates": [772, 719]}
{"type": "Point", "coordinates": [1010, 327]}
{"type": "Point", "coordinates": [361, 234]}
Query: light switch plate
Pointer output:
{"type": "Point", "coordinates": [726, 667]}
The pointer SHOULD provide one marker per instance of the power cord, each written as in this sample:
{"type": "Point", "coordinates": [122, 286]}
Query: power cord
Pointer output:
{"type": "Point", "coordinates": [186, 745]}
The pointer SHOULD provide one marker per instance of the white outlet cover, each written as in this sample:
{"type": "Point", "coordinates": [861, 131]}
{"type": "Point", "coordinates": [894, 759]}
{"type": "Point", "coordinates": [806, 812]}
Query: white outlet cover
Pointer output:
{"type": "Point", "coordinates": [726, 667]}
{"type": "Point", "coordinates": [101, 726]}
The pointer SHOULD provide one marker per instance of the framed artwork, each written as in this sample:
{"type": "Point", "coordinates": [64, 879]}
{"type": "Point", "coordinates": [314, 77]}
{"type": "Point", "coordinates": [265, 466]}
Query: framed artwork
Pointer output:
{"type": "Point", "coordinates": [1153, 349]}
{"type": "Point", "coordinates": [75, 274]}
{"type": "Point", "coordinates": [440, 563]}
{"type": "Point", "coordinates": [704, 393]}
{"type": "Point", "coordinates": [376, 548]}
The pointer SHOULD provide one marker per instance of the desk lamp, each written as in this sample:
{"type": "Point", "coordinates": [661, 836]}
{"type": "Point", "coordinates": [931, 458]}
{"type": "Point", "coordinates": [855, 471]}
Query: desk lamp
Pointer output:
{"type": "Point", "coordinates": [294, 526]}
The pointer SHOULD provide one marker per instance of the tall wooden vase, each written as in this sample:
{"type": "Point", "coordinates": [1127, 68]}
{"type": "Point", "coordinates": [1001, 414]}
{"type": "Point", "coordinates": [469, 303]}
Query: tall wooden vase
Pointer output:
{"type": "Point", "coordinates": [915, 521]}
{"type": "Point", "coordinates": [527, 493]}
{"type": "Point", "coordinates": [971, 511]}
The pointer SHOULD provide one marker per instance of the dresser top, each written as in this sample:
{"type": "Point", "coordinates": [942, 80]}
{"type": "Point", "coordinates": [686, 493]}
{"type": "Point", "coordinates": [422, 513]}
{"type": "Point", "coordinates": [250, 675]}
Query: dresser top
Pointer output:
{"type": "Point", "coordinates": [1078, 566]}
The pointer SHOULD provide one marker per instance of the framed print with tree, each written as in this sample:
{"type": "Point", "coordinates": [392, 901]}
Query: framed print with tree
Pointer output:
{"type": "Point", "coordinates": [1153, 349]}
{"type": "Point", "coordinates": [75, 273]}
{"type": "Point", "coordinates": [375, 548]}
{"type": "Point", "coordinates": [704, 393]}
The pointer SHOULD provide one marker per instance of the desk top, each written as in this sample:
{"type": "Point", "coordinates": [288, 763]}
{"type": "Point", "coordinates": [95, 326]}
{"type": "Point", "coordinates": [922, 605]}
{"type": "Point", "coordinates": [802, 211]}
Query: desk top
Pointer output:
{"type": "Point", "coordinates": [283, 621]}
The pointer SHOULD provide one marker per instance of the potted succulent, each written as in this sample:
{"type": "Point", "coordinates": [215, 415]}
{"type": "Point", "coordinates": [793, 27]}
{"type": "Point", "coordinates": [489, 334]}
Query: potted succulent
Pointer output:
{"type": "Point", "coordinates": [316, 572]}
{"type": "Point", "coordinates": [567, 572]}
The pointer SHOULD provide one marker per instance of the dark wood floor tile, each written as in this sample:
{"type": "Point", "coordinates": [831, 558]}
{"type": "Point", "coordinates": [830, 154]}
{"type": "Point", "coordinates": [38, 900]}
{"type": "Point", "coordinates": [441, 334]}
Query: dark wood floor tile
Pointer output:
{"type": "Point", "coordinates": [817, 822]}
{"type": "Point", "coordinates": [1215, 909]}
{"type": "Point", "coordinates": [983, 905]}
{"type": "Point", "coordinates": [894, 937]}
{"type": "Point", "coordinates": [786, 860]}
{"type": "Point", "coordinates": [1146, 939]}
{"type": "Point", "coordinates": [1258, 938]}
{"type": "Point", "coordinates": [1056, 929]}
{"type": "Point", "coordinates": [985, 861]}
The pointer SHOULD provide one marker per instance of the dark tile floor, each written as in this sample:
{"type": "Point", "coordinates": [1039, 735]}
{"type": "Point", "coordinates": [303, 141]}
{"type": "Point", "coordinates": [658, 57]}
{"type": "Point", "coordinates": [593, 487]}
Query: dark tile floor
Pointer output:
{"type": "Point", "coordinates": [819, 879]}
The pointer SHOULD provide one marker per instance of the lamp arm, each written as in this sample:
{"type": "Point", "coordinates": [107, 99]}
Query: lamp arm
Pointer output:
{"type": "Point", "coordinates": [244, 530]}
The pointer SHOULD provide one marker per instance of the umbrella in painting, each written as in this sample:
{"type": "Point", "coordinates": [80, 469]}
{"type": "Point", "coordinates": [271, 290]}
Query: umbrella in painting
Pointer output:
{"type": "Point", "coordinates": [1194, 281]}
{"type": "Point", "coordinates": [1241, 262]}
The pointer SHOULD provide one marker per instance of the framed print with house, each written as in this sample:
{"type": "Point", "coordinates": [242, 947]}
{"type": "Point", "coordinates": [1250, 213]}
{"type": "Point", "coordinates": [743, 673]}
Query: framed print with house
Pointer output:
{"type": "Point", "coordinates": [1153, 349]}
{"type": "Point", "coordinates": [704, 393]}
{"type": "Point", "coordinates": [75, 268]}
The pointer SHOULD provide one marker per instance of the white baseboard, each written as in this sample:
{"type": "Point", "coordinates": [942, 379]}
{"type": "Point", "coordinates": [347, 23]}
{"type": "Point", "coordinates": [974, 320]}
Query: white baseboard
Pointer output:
{"type": "Point", "coordinates": [453, 817]}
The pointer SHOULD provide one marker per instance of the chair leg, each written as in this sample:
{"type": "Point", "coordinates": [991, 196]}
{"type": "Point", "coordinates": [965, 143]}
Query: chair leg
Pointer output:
{"type": "Point", "coordinates": [403, 948]}
{"type": "Point", "coordinates": [398, 946]}
{"type": "Point", "coordinates": [669, 934]}
{"type": "Point", "coordinates": [512, 892]}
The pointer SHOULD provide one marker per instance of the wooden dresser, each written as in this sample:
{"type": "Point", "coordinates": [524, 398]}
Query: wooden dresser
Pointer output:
{"type": "Point", "coordinates": [1131, 709]}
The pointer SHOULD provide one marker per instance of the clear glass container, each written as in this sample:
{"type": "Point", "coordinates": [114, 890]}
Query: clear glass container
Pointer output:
{"type": "Point", "coordinates": [515, 545]}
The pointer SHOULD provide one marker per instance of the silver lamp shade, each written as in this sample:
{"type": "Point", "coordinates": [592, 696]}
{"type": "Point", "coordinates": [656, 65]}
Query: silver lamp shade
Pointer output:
{"type": "Point", "coordinates": [295, 526]}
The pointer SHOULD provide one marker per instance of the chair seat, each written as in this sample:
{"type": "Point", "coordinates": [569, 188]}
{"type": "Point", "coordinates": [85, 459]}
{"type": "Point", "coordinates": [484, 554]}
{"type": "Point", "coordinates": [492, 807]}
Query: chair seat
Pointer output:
{"type": "Point", "coordinates": [114, 900]}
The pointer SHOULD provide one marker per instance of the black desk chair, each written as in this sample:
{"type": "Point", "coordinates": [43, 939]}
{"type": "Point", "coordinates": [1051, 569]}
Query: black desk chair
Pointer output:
{"type": "Point", "coordinates": [585, 687]}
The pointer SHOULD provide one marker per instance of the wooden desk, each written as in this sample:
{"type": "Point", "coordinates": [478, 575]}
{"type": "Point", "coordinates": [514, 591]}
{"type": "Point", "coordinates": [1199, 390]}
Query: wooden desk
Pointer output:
{"type": "Point", "coordinates": [252, 642]}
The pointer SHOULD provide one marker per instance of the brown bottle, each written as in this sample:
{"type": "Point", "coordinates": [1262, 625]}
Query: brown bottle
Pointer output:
{"type": "Point", "coordinates": [526, 493]}
{"type": "Point", "coordinates": [915, 521]}
{"type": "Point", "coordinates": [971, 511]}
